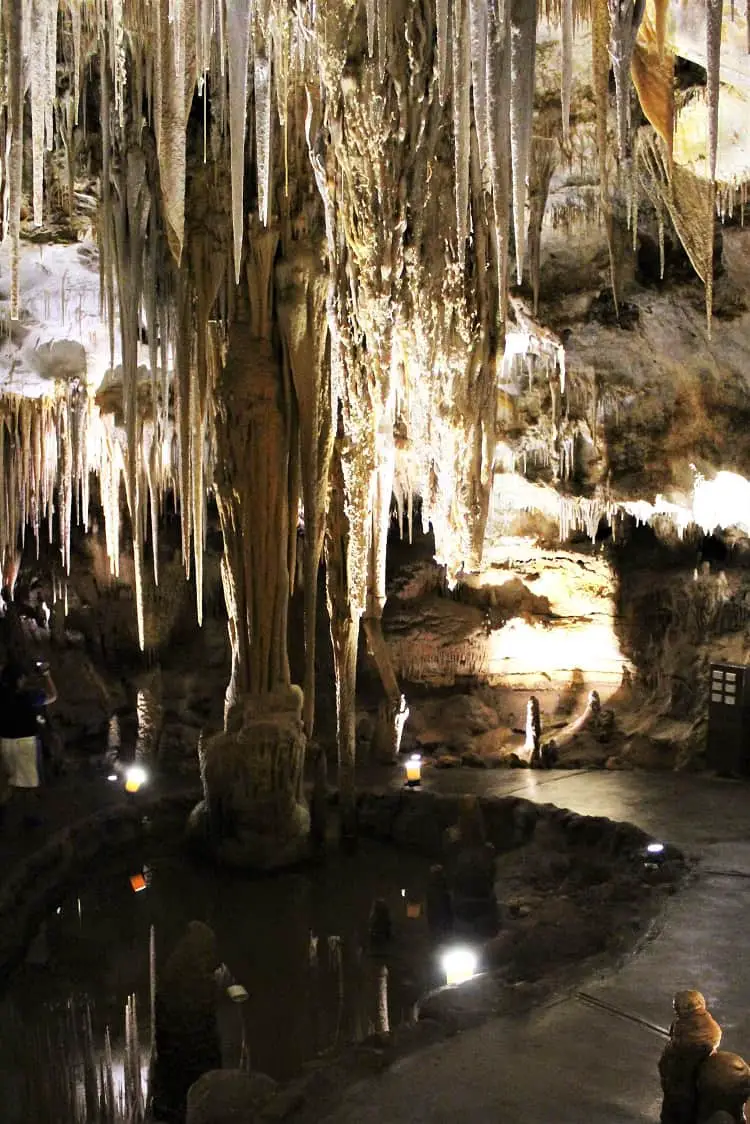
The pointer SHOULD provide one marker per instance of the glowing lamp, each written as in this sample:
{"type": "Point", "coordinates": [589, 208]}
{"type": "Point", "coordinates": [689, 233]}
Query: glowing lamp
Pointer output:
{"type": "Point", "coordinates": [413, 910]}
{"type": "Point", "coordinates": [137, 883]}
{"type": "Point", "coordinates": [112, 777]}
{"type": "Point", "coordinates": [414, 770]}
{"type": "Point", "coordinates": [237, 993]}
{"type": "Point", "coordinates": [134, 778]}
{"type": "Point", "coordinates": [459, 965]}
{"type": "Point", "coordinates": [655, 849]}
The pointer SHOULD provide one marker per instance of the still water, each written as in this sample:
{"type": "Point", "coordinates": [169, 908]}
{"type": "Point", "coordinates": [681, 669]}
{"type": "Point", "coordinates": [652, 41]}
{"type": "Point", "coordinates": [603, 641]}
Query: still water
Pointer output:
{"type": "Point", "coordinates": [297, 942]}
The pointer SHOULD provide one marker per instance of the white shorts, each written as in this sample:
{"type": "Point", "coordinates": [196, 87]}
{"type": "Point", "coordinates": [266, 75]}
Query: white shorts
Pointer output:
{"type": "Point", "coordinates": [20, 761]}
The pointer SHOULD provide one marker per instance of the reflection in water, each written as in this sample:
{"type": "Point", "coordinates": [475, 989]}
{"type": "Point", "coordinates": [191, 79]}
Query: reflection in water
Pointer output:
{"type": "Point", "coordinates": [297, 943]}
{"type": "Point", "coordinates": [67, 1077]}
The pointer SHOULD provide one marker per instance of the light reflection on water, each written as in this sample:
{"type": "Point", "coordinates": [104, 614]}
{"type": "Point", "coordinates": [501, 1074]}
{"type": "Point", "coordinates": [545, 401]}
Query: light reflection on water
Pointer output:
{"type": "Point", "coordinates": [297, 942]}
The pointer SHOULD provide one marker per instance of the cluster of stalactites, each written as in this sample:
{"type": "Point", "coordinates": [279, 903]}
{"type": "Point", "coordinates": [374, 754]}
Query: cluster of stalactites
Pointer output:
{"type": "Point", "coordinates": [157, 53]}
{"type": "Point", "coordinates": [486, 52]}
{"type": "Point", "coordinates": [49, 447]}
{"type": "Point", "coordinates": [45, 458]}
{"type": "Point", "coordinates": [165, 49]}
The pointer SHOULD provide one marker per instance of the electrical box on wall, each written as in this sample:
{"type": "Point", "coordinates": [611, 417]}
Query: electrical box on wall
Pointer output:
{"type": "Point", "coordinates": [728, 748]}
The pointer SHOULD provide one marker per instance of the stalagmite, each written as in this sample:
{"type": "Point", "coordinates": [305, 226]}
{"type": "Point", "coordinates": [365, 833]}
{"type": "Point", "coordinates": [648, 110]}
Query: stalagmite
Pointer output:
{"type": "Point", "coordinates": [522, 83]}
{"type": "Point", "coordinates": [238, 24]}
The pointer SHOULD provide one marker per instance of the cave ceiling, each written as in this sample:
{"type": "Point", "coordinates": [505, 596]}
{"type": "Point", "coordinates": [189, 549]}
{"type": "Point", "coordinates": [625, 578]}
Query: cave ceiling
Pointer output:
{"type": "Point", "coordinates": [499, 248]}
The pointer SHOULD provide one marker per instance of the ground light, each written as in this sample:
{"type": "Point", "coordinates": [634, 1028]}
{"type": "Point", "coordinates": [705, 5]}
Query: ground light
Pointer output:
{"type": "Point", "coordinates": [135, 777]}
{"type": "Point", "coordinates": [459, 965]}
{"type": "Point", "coordinates": [414, 770]}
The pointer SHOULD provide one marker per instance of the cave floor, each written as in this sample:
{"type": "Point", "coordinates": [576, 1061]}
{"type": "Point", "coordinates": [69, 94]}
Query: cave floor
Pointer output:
{"type": "Point", "coordinates": [592, 1056]}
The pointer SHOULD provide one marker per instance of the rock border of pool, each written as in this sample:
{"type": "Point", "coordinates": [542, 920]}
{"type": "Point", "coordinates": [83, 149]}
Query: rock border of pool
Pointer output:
{"type": "Point", "coordinates": [414, 820]}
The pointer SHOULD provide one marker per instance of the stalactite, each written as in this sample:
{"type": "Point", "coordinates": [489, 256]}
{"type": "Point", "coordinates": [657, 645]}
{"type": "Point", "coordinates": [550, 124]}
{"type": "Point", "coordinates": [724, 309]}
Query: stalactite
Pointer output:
{"type": "Point", "coordinates": [131, 213]}
{"type": "Point", "coordinates": [625, 18]}
{"type": "Point", "coordinates": [478, 29]}
{"type": "Point", "coordinates": [263, 150]}
{"type": "Point", "coordinates": [38, 59]}
{"type": "Point", "coordinates": [443, 56]}
{"type": "Point", "coordinates": [714, 12]}
{"type": "Point", "coordinates": [567, 65]}
{"type": "Point", "coordinates": [14, 25]}
{"type": "Point", "coordinates": [543, 163]}
{"type": "Point", "coordinates": [344, 625]}
{"type": "Point", "coordinates": [173, 95]}
{"type": "Point", "coordinates": [461, 120]}
{"type": "Point", "coordinates": [75, 12]}
{"type": "Point", "coordinates": [600, 72]}
{"type": "Point", "coordinates": [383, 10]}
{"type": "Point", "coordinates": [498, 141]}
{"type": "Point", "coordinates": [522, 83]}
{"type": "Point", "coordinates": [371, 25]}
{"type": "Point", "coordinates": [238, 23]}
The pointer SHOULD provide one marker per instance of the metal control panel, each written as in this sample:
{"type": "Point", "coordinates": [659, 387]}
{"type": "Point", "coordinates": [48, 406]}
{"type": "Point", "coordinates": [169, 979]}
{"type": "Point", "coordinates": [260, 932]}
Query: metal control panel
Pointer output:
{"type": "Point", "coordinates": [728, 746]}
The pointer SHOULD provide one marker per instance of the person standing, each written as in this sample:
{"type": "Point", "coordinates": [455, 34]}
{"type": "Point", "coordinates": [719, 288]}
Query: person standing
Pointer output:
{"type": "Point", "coordinates": [20, 704]}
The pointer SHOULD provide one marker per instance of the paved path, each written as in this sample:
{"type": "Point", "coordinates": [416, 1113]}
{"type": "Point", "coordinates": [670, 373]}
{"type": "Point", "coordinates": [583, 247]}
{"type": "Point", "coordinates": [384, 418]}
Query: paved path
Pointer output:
{"type": "Point", "coordinates": [592, 1057]}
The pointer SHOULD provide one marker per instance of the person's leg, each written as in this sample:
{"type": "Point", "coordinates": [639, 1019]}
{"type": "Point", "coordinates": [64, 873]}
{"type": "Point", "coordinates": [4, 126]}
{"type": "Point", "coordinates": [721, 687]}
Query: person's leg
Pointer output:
{"type": "Point", "coordinates": [27, 780]}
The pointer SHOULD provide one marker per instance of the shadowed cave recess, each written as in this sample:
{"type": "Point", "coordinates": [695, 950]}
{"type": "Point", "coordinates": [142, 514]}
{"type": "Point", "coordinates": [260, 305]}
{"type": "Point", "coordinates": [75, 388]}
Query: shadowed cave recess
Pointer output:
{"type": "Point", "coordinates": [373, 382]}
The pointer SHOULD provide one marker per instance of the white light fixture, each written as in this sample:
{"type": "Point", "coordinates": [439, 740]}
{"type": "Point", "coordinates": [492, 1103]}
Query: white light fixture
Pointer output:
{"type": "Point", "coordinates": [134, 778]}
{"type": "Point", "coordinates": [459, 965]}
{"type": "Point", "coordinates": [655, 848]}
{"type": "Point", "coordinates": [414, 770]}
{"type": "Point", "coordinates": [112, 777]}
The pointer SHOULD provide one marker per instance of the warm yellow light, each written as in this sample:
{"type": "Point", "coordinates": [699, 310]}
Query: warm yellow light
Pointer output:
{"type": "Point", "coordinates": [138, 883]}
{"type": "Point", "coordinates": [459, 965]}
{"type": "Point", "coordinates": [135, 778]}
{"type": "Point", "coordinates": [237, 993]}
{"type": "Point", "coordinates": [414, 770]}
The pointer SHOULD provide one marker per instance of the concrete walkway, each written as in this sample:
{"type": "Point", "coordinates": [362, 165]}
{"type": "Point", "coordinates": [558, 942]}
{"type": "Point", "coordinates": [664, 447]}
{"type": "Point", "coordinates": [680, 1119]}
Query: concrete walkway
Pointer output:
{"type": "Point", "coordinates": [592, 1057]}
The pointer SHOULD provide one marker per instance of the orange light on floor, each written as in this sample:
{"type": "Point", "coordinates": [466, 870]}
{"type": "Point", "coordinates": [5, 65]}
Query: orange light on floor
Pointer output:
{"type": "Point", "coordinates": [138, 883]}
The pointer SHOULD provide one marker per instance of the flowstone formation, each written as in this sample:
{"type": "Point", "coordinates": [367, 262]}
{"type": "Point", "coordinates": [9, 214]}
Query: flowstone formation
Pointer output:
{"type": "Point", "coordinates": [302, 224]}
